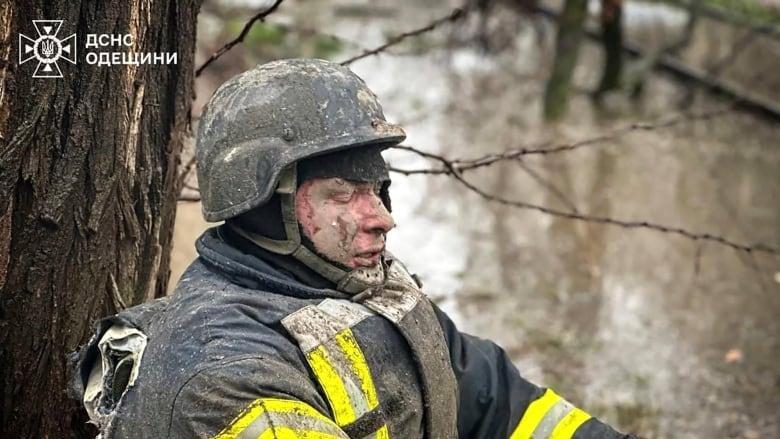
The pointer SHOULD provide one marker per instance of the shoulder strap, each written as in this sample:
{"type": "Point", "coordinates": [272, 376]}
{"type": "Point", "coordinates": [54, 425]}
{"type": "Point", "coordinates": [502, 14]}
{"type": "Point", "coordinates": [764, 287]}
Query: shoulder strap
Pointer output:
{"type": "Point", "coordinates": [408, 308]}
{"type": "Point", "coordinates": [324, 335]}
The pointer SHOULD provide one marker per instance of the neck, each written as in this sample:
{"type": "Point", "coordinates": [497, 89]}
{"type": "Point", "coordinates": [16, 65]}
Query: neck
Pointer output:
{"type": "Point", "coordinates": [287, 264]}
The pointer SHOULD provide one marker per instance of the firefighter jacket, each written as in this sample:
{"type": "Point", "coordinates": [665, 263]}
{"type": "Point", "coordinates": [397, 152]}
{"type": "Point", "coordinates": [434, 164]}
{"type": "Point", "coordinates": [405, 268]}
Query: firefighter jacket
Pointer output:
{"type": "Point", "coordinates": [241, 350]}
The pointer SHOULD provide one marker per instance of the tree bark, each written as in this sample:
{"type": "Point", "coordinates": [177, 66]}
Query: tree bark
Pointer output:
{"type": "Point", "coordinates": [87, 191]}
{"type": "Point", "coordinates": [567, 47]}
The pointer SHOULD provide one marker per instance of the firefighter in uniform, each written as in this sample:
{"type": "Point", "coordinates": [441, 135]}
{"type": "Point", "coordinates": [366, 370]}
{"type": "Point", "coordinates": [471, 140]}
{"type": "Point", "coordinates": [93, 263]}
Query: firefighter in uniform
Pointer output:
{"type": "Point", "coordinates": [294, 322]}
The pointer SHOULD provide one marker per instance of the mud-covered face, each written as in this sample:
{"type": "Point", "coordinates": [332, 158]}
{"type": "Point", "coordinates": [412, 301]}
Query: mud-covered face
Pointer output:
{"type": "Point", "coordinates": [345, 220]}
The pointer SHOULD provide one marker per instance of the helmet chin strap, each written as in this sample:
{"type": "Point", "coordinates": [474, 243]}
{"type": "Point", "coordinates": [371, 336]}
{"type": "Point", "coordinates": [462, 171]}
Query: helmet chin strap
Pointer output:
{"type": "Point", "coordinates": [351, 282]}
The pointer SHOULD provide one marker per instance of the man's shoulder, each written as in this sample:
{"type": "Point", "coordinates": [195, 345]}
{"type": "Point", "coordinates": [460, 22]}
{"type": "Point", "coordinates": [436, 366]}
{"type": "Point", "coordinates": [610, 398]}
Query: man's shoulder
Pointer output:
{"type": "Point", "coordinates": [205, 319]}
{"type": "Point", "coordinates": [212, 336]}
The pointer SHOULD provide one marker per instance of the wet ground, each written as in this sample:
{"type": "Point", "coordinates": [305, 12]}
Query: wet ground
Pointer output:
{"type": "Point", "coordinates": [657, 333]}
{"type": "Point", "coordinates": [660, 334]}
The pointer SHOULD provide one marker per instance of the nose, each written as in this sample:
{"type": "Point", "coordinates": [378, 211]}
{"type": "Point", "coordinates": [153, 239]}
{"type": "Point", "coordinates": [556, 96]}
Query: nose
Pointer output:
{"type": "Point", "coordinates": [374, 217]}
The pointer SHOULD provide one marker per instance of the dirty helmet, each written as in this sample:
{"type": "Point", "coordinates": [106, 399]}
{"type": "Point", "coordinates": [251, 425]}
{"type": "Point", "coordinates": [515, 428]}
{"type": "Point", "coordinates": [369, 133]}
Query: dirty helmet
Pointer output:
{"type": "Point", "coordinates": [260, 124]}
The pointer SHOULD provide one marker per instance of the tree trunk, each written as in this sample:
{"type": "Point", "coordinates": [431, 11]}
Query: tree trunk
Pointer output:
{"type": "Point", "coordinates": [567, 47]}
{"type": "Point", "coordinates": [87, 191]}
{"type": "Point", "coordinates": [612, 42]}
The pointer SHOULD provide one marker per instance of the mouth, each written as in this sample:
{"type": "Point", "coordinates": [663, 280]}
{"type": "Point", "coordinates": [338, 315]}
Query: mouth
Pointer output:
{"type": "Point", "coordinates": [368, 258]}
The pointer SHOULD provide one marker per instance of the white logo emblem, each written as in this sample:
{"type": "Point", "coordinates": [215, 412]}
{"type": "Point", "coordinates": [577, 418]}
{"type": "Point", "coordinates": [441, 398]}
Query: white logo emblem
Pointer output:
{"type": "Point", "coordinates": [47, 49]}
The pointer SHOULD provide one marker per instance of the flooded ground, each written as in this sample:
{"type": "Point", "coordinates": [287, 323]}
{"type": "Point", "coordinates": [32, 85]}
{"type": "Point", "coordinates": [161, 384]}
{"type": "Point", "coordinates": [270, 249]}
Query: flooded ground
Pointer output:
{"type": "Point", "coordinates": [656, 333]}
{"type": "Point", "coordinates": [636, 323]}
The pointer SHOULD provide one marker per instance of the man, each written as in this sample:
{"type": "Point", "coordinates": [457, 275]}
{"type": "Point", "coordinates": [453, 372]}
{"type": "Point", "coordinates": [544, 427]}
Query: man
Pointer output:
{"type": "Point", "coordinates": [295, 322]}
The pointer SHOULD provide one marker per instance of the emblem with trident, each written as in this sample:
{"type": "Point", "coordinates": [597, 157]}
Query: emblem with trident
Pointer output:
{"type": "Point", "coordinates": [47, 49]}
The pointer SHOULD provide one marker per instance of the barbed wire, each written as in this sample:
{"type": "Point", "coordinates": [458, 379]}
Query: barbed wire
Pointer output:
{"type": "Point", "coordinates": [462, 165]}
{"type": "Point", "coordinates": [260, 16]}
{"type": "Point", "coordinates": [453, 16]}
{"type": "Point", "coordinates": [456, 167]}
{"type": "Point", "coordinates": [453, 171]}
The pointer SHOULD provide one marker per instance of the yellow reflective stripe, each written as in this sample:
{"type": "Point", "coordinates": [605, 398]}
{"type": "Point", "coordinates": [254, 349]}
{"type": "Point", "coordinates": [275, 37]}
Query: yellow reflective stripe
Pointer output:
{"type": "Point", "coordinates": [382, 433]}
{"type": "Point", "coordinates": [569, 425]}
{"type": "Point", "coordinates": [332, 385]}
{"type": "Point", "coordinates": [260, 406]}
{"type": "Point", "coordinates": [357, 362]}
{"type": "Point", "coordinates": [290, 433]}
{"type": "Point", "coordinates": [336, 360]}
{"type": "Point", "coordinates": [534, 414]}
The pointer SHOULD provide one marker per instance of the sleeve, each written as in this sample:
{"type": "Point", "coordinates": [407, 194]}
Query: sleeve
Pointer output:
{"type": "Point", "coordinates": [496, 402]}
{"type": "Point", "coordinates": [251, 398]}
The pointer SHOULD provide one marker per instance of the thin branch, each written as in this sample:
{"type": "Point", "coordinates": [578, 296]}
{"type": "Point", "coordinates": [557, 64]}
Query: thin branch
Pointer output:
{"type": "Point", "coordinates": [453, 16]}
{"type": "Point", "coordinates": [549, 186]}
{"type": "Point", "coordinates": [735, 18]}
{"type": "Point", "coordinates": [260, 16]}
{"type": "Point", "coordinates": [737, 48]}
{"type": "Point", "coordinates": [188, 198]}
{"type": "Point", "coordinates": [753, 264]}
{"type": "Point", "coordinates": [191, 187]}
{"type": "Point", "coordinates": [699, 250]}
{"type": "Point", "coordinates": [185, 172]}
{"type": "Point", "coordinates": [116, 296]}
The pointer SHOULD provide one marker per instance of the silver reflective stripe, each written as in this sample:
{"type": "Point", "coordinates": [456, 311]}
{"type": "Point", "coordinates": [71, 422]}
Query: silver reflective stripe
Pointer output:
{"type": "Point", "coordinates": [393, 308]}
{"type": "Point", "coordinates": [551, 419]}
{"type": "Point", "coordinates": [348, 313]}
{"type": "Point", "coordinates": [311, 327]}
{"type": "Point", "coordinates": [293, 421]}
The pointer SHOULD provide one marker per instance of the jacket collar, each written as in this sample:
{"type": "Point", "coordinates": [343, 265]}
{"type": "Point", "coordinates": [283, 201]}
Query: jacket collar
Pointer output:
{"type": "Point", "coordinates": [252, 272]}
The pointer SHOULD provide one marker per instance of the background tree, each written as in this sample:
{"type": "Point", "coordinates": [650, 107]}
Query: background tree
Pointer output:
{"type": "Point", "coordinates": [567, 47]}
{"type": "Point", "coordinates": [612, 42]}
{"type": "Point", "coordinates": [87, 188]}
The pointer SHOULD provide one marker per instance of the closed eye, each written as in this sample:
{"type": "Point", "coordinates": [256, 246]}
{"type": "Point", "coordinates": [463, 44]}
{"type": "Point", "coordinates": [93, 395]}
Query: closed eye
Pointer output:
{"type": "Point", "coordinates": [342, 197]}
